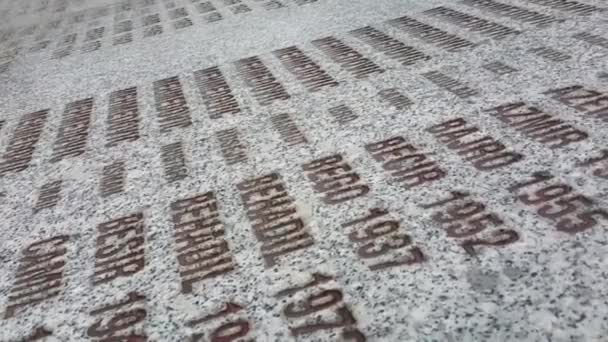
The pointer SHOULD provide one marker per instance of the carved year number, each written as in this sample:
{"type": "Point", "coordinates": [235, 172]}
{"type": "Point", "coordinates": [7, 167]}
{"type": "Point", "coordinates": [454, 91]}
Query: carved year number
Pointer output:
{"type": "Point", "coordinates": [416, 256]}
{"type": "Point", "coordinates": [314, 303]}
{"type": "Point", "coordinates": [500, 237]}
{"type": "Point", "coordinates": [561, 203]}
{"type": "Point", "coordinates": [376, 248]}
{"type": "Point", "coordinates": [345, 318]}
{"type": "Point", "coordinates": [582, 221]}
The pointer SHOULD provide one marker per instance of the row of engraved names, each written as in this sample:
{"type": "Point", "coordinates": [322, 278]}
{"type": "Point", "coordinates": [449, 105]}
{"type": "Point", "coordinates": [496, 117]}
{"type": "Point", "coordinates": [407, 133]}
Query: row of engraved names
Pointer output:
{"type": "Point", "coordinates": [173, 110]}
{"type": "Point", "coordinates": [123, 124]}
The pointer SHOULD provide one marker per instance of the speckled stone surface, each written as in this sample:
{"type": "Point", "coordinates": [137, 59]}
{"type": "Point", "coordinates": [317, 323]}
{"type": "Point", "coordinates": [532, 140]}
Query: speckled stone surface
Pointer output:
{"type": "Point", "coordinates": [95, 244]}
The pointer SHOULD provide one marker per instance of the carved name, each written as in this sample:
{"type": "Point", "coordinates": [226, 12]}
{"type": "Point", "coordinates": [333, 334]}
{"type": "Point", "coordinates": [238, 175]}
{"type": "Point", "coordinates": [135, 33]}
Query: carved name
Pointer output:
{"type": "Point", "coordinates": [538, 125]}
{"type": "Point", "coordinates": [233, 150]}
{"type": "Point", "coordinates": [569, 6]}
{"type": "Point", "coordinates": [171, 105]}
{"type": "Point", "coordinates": [350, 59]}
{"type": "Point", "coordinates": [73, 131]}
{"type": "Point", "coordinates": [485, 152]}
{"type": "Point", "coordinates": [123, 321]}
{"type": "Point", "coordinates": [406, 163]}
{"type": "Point", "coordinates": [391, 47]}
{"type": "Point", "coordinates": [304, 69]}
{"type": "Point", "coordinates": [265, 87]}
{"type": "Point", "coordinates": [335, 179]}
{"type": "Point", "coordinates": [394, 98]}
{"type": "Point", "coordinates": [202, 252]}
{"type": "Point", "coordinates": [453, 86]}
{"type": "Point", "coordinates": [39, 275]}
{"type": "Point", "coordinates": [120, 248]}
{"type": "Point", "coordinates": [430, 34]}
{"type": "Point", "coordinates": [471, 23]}
{"type": "Point", "coordinates": [112, 179]}
{"type": "Point", "coordinates": [123, 120]}
{"type": "Point", "coordinates": [592, 39]}
{"type": "Point", "coordinates": [274, 217]}
{"type": "Point", "coordinates": [49, 196]}
{"type": "Point", "coordinates": [216, 92]}
{"type": "Point", "coordinates": [591, 102]}
{"type": "Point", "coordinates": [288, 129]}
{"type": "Point", "coordinates": [174, 162]}
{"type": "Point", "coordinates": [510, 11]}
{"type": "Point", "coordinates": [342, 114]}
{"type": "Point", "coordinates": [598, 164]}
{"type": "Point", "coordinates": [21, 147]}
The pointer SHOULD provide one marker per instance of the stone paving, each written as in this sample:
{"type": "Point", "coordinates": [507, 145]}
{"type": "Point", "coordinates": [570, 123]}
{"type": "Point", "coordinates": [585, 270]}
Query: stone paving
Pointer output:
{"type": "Point", "coordinates": [303, 170]}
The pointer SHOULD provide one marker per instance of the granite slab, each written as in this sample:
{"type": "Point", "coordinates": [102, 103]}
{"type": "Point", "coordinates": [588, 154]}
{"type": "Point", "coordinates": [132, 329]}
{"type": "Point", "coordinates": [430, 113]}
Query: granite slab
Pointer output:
{"type": "Point", "coordinates": [303, 170]}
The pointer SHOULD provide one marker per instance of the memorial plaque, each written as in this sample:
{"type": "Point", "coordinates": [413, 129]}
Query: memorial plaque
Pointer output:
{"type": "Point", "coordinates": [303, 170]}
